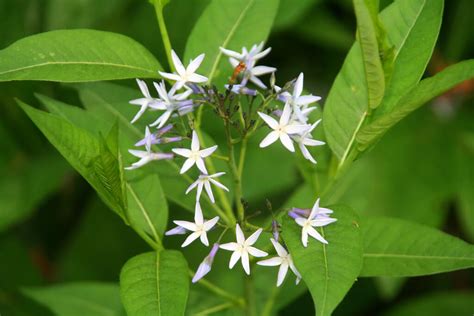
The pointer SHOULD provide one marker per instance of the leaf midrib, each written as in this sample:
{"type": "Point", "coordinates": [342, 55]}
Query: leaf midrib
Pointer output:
{"type": "Point", "coordinates": [157, 256]}
{"type": "Point", "coordinates": [77, 63]}
{"type": "Point", "coordinates": [405, 256]}
{"type": "Point", "coordinates": [228, 38]}
{"type": "Point", "coordinates": [144, 212]}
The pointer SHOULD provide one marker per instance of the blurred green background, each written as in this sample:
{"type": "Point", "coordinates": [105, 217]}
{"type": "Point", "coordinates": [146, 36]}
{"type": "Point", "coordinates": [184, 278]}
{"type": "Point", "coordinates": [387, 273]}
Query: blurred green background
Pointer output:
{"type": "Point", "coordinates": [53, 228]}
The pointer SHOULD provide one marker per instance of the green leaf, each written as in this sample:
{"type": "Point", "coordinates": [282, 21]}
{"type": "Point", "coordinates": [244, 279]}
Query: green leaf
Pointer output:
{"type": "Point", "coordinates": [394, 247]}
{"type": "Point", "coordinates": [423, 92]}
{"type": "Point", "coordinates": [80, 149]}
{"type": "Point", "coordinates": [416, 25]}
{"type": "Point", "coordinates": [137, 197]}
{"type": "Point", "coordinates": [405, 22]}
{"type": "Point", "coordinates": [78, 299]}
{"type": "Point", "coordinates": [436, 304]}
{"type": "Point", "coordinates": [155, 283]}
{"type": "Point", "coordinates": [290, 11]}
{"type": "Point", "coordinates": [367, 23]}
{"type": "Point", "coordinates": [231, 24]}
{"type": "Point", "coordinates": [76, 56]}
{"type": "Point", "coordinates": [328, 270]}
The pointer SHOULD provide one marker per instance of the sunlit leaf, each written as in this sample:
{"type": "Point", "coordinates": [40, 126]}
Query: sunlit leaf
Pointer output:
{"type": "Point", "coordinates": [231, 24]}
{"type": "Point", "coordinates": [328, 270]}
{"type": "Point", "coordinates": [75, 56]}
{"type": "Point", "coordinates": [155, 284]}
{"type": "Point", "coordinates": [394, 247]}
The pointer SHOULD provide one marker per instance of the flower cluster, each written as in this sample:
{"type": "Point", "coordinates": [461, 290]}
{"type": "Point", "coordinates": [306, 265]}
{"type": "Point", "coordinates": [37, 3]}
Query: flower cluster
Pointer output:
{"type": "Point", "coordinates": [289, 125]}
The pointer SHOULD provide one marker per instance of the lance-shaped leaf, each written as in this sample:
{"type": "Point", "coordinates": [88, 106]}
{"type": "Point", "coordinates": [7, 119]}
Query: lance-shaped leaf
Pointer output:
{"type": "Point", "coordinates": [231, 24]}
{"type": "Point", "coordinates": [76, 56]}
{"type": "Point", "coordinates": [82, 151]}
{"type": "Point", "coordinates": [137, 197]}
{"type": "Point", "coordinates": [328, 270]}
{"type": "Point", "coordinates": [394, 247]}
{"type": "Point", "coordinates": [367, 24]}
{"type": "Point", "coordinates": [155, 283]}
{"type": "Point", "coordinates": [423, 92]}
{"type": "Point", "coordinates": [76, 299]}
{"type": "Point", "coordinates": [412, 28]}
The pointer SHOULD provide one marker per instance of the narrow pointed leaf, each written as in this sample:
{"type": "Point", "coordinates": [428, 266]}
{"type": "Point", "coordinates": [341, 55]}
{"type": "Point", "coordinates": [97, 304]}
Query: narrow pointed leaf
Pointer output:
{"type": "Point", "coordinates": [76, 56]}
{"type": "Point", "coordinates": [77, 299]}
{"type": "Point", "coordinates": [367, 16]}
{"type": "Point", "coordinates": [328, 270]}
{"type": "Point", "coordinates": [155, 283]}
{"type": "Point", "coordinates": [231, 24]}
{"type": "Point", "coordinates": [394, 247]}
{"type": "Point", "coordinates": [412, 28]}
{"type": "Point", "coordinates": [80, 149]}
{"type": "Point", "coordinates": [426, 90]}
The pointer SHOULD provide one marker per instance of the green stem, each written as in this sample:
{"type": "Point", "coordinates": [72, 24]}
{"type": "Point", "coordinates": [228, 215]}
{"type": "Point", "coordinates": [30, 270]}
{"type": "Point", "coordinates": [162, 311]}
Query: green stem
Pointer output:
{"type": "Point", "coordinates": [219, 291]}
{"type": "Point", "coordinates": [164, 32]}
{"type": "Point", "coordinates": [236, 175]}
{"type": "Point", "coordinates": [214, 309]}
{"type": "Point", "coordinates": [267, 308]}
{"type": "Point", "coordinates": [249, 296]}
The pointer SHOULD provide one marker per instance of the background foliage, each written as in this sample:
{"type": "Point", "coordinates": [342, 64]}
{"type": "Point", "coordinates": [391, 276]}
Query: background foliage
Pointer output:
{"type": "Point", "coordinates": [58, 239]}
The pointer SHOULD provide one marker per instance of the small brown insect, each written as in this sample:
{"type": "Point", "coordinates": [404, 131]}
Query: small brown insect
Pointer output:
{"type": "Point", "coordinates": [237, 70]}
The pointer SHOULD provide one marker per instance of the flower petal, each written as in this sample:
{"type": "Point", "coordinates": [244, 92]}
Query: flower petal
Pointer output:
{"type": "Point", "coordinates": [281, 251]}
{"type": "Point", "coordinates": [187, 165]}
{"type": "Point", "coordinates": [239, 234]}
{"type": "Point", "coordinates": [211, 223]}
{"type": "Point", "coordinates": [313, 233]}
{"type": "Point", "coordinates": [177, 63]}
{"type": "Point", "coordinates": [287, 142]}
{"type": "Point", "coordinates": [275, 261]}
{"type": "Point", "coordinates": [298, 88]}
{"type": "Point", "coordinates": [233, 259]}
{"type": "Point", "coordinates": [269, 120]}
{"type": "Point", "coordinates": [204, 239]}
{"type": "Point", "coordinates": [208, 151]}
{"type": "Point", "coordinates": [208, 188]}
{"type": "Point", "coordinates": [262, 70]}
{"type": "Point", "coordinates": [269, 139]}
{"type": "Point", "coordinates": [231, 246]}
{"type": "Point", "coordinates": [256, 252]}
{"type": "Point", "coordinates": [198, 218]}
{"type": "Point", "coordinates": [192, 237]}
{"type": "Point", "coordinates": [200, 164]}
{"type": "Point", "coordinates": [185, 224]}
{"type": "Point", "coordinates": [245, 262]}
{"type": "Point", "coordinates": [253, 238]}
{"type": "Point", "coordinates": [195, 141]}
{"type": "Point", "coordinates": [195, 63]}
{"type": "Point", "coordinates": [282, 273]}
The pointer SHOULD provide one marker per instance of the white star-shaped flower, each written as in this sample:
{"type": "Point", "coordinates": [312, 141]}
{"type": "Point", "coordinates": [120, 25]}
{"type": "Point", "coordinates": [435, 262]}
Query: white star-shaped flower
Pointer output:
{"type": "Point", "coordinates": [170, 102]}
{"type": "Point", "coordinates": [205, 181]}
{"type": "Point", "coordinates": [199, 228]}
{"type": "Point", "coordinates": [300, 102]}
{"type": "Point", "coordinates": [283, 260]}
{"type": "Point", "coordinates": [185, 75]}
{"type": "Point", "coordinates": [147, 155]}
{"type": "Point", "coordinates": [282, 129]}
{"type": "Point", "coordinates": [314, 220]}
{"type": "Point", "coordinates": [242, 248]}
{"type": "Point", "coordinates": [195, 155]}
{"type": "Point", "coordinates": [306, 139]}
{"type": "Point", "coordinates": [144, 103]}
{"type": "Point", "coordinates": [250, 58]}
